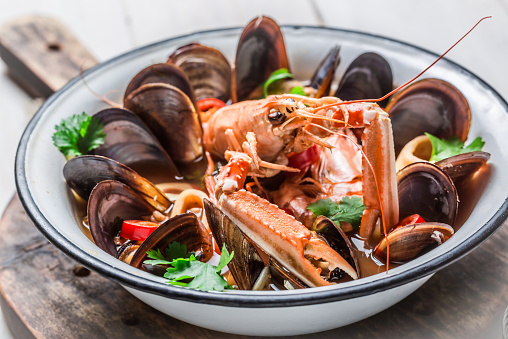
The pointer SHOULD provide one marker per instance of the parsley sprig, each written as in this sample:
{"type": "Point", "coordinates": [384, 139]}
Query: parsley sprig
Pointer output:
{"type": "Point", "coordinates": [186, 271]}
{"type": "Point", "coordinates": [349, 209]}
{"type": "Point", "coordinates": [442, 148]}
{"type": "Point", "coordinates": [78, 135]}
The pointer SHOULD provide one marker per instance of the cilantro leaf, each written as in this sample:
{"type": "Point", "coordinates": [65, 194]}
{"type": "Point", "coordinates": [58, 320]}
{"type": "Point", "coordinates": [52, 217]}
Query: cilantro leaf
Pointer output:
{"type": "Point", "coordinates": [277, 75]}
{"type": "Point", "coordinates": [158, 257]}
{"type": "Point", "coordinates": [324, 207]}
{"type": "Point", "coordinates": [78, 135]}
{"type": "Point", "coordinates": [349, 209]}
{"type": "Point", "coordinates": [442, 148]}
{"type": "Point", "coordinates": [187, 271]}
{"type": "Point", "coordinates": [205, 276]}
{"type": "Point", "coordinates": [176, 250]}
{"type": "Point", "coordinates": [225, 258]}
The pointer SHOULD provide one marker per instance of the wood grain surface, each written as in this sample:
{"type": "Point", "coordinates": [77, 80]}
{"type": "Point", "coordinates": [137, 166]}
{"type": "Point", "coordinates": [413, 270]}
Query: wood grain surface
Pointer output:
{"type": "Point", "coordinates": [51, 296]}
{"type": "Point", "coordinates": [42, 54]}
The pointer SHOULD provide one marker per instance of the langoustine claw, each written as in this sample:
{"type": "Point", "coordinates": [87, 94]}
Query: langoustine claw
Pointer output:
{"type": "Point", "coordinates": [278, 233]}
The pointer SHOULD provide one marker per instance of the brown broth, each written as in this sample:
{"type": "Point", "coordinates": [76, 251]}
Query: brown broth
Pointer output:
{"type": "Point", "coordinates": [470, 190]}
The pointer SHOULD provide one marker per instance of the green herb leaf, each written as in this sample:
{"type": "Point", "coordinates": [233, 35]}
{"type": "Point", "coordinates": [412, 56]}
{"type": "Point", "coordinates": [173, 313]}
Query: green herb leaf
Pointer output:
{"type": "Point", "coordinates": [205, 277]}
{"type": "Point", "coordinates": [78, 135]}
{"type": "Point", "coordinates": [442, 148]}
{"type": "Point", "coordinates": [176, 250]}
{"type": "Point", "coordinates": [325, 207]}
{"type": "Point", "coordinates": [298, 90]}
{"type": "Point", "coordinates": [158, 257]}
{"type": "Point", "coordinates": [277, 75]}
{"type": "Point", "coordinates": [187, 271]}
{"type": "Point", "coordinates": [349, 209]}
{"type": "Point", "coordinates": [225, 258]}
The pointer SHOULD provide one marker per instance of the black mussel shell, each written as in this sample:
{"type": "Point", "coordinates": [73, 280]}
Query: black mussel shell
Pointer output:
{"type": "Point", "coordinates": [322, 78]}
{"type": "Point", "coordinates": [130, 142]}
{"type": "Point", "coordinates": [426, 190]}
{"type": "Point", "coordinates": [184, 228]}
{"type": "Point", "coordinates": [246, 264]}
{"type": "Point", "coordinates": [368, 77]}
{"type": "Point", "coordinates": [127, 250]}
{"type": "Point", "coordinates": [461, 166]}
{"type": "Point", "coordinates": [111, 202]}
{"type": "Point", "coordinates": [261, 51]}
{"type": "Point", "coordinates": [162, 73]}
{"type": "Point", "coordinates": [207, 69]}
{"type": "Point", "coordinates": [410, 241]}
{"type": "Point", "coordinates": [171, 116]}
{"type": "Point", "coordinates": [429, 105]}
{"type": "Point", "coordinates": [337, 240]}
{"type": "Point", "coordinates": [85, 172]}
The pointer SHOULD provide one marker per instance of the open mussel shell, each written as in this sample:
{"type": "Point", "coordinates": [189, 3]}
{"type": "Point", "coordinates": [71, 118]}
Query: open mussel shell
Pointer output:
{"type": "Point", "coordinates": [171, 116]}
{"type": "Point", "coordinates": [246, 264]}
{"type": "Point", "coordinates": [426, 190]}
{"type": "Point", "coordinates": [369, 76]}
{"type": "Point", "coordinates": [85, 172]}
{"type": "Point", "coordinates": [337, 240]}
{"type": "Point", "coordinates": [410, 241]}
{"type": "Point", "coordinates": [184, 228]}
{"type": "Point", "coordinates": [429, 105]}
{"type": "Point", "coordinates": [161, 73]}
{"type": "Point", "coordinates": [261, 51]}
{"type": "Point", "coordinates": [461, 166]}
{"type": "Point", "coordinates": [207, 69]}
{"type": "Point", "coordinates": [131, 143]}
{"type": "Point", "coordinates": [323, 76]}
{"type": "Point", "coordinates": [127, 250]}
{"type": "Point", "coordinates": [111, 202]}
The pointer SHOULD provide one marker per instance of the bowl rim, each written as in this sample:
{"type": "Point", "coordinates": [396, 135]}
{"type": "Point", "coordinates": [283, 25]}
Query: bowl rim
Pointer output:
{"type": "Point", "coordinates": [243, 300]}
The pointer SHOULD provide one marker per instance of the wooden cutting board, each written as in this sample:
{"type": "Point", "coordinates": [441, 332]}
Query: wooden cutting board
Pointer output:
{"type": "Point", "coordinates": [44, 294]}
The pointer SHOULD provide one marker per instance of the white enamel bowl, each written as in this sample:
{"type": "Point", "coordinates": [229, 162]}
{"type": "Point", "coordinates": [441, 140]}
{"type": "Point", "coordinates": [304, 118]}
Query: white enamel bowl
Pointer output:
{"type": "Point", "coordinates": [44, 194]}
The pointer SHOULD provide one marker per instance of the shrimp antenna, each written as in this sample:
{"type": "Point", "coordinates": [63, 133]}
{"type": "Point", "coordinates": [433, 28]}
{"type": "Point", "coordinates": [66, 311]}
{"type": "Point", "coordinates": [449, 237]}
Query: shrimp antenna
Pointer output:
{"type": "Point", "coordinates": [416, 77]}
{"type": "Point", "coordinates": [102, 97]}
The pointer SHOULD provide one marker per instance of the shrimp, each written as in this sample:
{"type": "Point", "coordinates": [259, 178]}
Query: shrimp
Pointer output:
{"type": "Point", "coordinates": [263, 132]}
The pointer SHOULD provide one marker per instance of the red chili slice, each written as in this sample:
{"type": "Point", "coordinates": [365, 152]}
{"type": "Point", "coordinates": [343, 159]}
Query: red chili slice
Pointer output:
{"type": "Point", "coordinates": [208, 103]}
{"type": "Point", "coordinates": [412, 219]}
{"type": "Point", "coordinates": [137, 229]}
{"type": "Point", "coordinates": [303, 159]}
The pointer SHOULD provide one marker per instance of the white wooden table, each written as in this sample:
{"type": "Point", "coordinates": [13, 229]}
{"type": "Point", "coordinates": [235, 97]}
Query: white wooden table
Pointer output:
{"type": "Point", "coordinates": [108, 28]}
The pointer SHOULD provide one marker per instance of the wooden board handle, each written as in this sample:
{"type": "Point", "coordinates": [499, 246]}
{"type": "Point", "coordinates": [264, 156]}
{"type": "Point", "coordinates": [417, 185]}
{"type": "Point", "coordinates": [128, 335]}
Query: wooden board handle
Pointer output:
{"type": "Point", "coordinates": [41, 54]}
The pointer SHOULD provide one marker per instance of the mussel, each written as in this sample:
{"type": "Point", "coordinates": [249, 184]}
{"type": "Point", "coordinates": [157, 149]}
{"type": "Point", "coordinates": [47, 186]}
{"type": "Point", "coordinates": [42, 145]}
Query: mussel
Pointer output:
{"type": "Point", "coordinates": [247, 263]}
{"type": "Point", "coordinates": [410, 241]}
{"type": "Point", "coordinates": [429, 105]}
{"type": "Point", "coordinates": [261, 51]}
{"type": "Point", "coordinates": [184, 228]}
{"type": "Point", "coordinates": [130, 142]}
{"type": "Point", "coordinates": [83, 173]}
{"type": "Point", "coordinates": [161, 73]}
{"type": "Point", "coordinates": [110, 203]}
{"type": "Point", "coordinates": [207, 69]}
{"type": "Point", "coordinates": [426, 190]}
{"type": "Point", "coordinates": [323, 76]}
{"type": "Point", "coordinates": [172, 117]}
{"type": "Point", "coordinates": [369, 76]}
{"type": "Point", "coordinates": [337, 239]}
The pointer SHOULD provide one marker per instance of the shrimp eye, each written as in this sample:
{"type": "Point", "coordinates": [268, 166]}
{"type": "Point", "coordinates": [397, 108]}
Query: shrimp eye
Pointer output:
{"type": "Point", "coordinates": [290, 108]}
{"type": "Point", "coordinates": [276, 117]}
